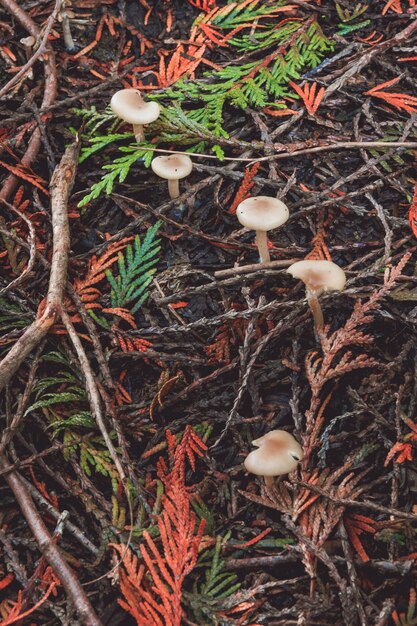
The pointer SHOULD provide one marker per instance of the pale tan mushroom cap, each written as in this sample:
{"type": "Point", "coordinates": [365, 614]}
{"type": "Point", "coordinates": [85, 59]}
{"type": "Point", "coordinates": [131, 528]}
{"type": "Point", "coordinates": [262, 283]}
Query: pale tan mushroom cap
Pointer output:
{"type": "Point", "coordinates": [128, 105]}
{"type": "Point", "coordinates": [29, 41]}
{"type": "Point", "coordinates": [277, 453]}
{"type": "Point", "coordinates": [319, 276]}
{"type": "Point", "coordinates": [262, 213]}
{"type": "Point", "coordinates": [172, 167]}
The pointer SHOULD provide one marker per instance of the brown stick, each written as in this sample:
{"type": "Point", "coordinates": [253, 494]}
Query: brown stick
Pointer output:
{"type": "Point", "coordinates": [254, 267]}
{"type": "Point", "coordinates": [61, 184]}
{"type": "Point", "coordinates": [50, 550]}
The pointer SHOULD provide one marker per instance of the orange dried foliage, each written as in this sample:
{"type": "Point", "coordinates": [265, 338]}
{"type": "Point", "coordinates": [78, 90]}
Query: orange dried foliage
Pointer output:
{"type": "Point", "coordinates": [219, 350]}
{"type": "Point", "coordinates": [320, 250]}
{"type": "Point", "coordinates": [401, 101]}
{"type": "Point", "coordinates": [129, 344]}
{"type": "Point", "coordinates": [41, 487]}
{"type": "Point", "coordinates": [154, 599]}
{"type": "Point", "coordinates": [408, 618]}
{"type": "Point", "coordinates": [412, 213]}
{"type": "Point", "coordinates": [5, 582]}
{"type": "Point", "coordinates": [355, 526]}
{"type": "Point", "coordinates": [245, 187]}
{"type": "Point", "coordinates": [23, 172]}
{"type": "Point", "coordinates": [183, 61]}
{"type": "Point", "coordinates": [309, 95]}
{"type": "Point", "coordinates": [86, 287]}
{"type": "Point", "coordinates": [10, 611]}
{"type": "Point", "coordinates": [403, 448]}
{"type": "Point", "coordinates": [396, 6]}
{"type": "Point", "coordinates": [121, 396]}
{"type": "Point", "coordinates": [204, 5]}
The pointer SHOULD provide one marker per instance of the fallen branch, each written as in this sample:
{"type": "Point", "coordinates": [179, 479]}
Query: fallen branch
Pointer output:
{"type": "Point", "coordinates": [50, 550]}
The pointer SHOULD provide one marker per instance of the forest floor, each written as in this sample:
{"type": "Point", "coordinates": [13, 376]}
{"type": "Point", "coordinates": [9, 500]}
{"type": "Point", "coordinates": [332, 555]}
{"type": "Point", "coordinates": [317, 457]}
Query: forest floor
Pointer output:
{"type": "Point", "coordinates": [138, 363]}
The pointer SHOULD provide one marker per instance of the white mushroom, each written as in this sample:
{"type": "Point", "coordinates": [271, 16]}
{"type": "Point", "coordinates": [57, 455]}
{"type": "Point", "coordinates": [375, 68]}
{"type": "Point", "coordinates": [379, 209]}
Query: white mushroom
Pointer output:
{"type": "Point", "coordinates": [318, 277]}
{"type": "Point", "coordinates": [172, 168]}
{"type": "Point", "coordinates": [262, 213]}
{"type": "Point", "coordinates": [28, 43]}
{"type": "Point", "coordinates": [128, 105]}
{"type": "Point", "coordinates": [277, 453]}
{"type": "Point", "coordinates": [65, 16]}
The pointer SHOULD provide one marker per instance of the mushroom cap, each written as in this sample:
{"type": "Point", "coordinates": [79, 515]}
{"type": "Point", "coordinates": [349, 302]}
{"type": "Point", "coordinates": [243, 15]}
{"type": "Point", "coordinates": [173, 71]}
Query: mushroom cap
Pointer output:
{"type": "Point", "coordinates": [129, 105]}
{"type": "Point", "coordinates": [319, 276]}
{"type": "Point", "coordinates": [262, 213]}
{"type": "Point", "coordinates": [172, 167]}
{"type": "Point", "coordinates": [277, 453]}
{"type": "Point", "coordinates": [28, 41]}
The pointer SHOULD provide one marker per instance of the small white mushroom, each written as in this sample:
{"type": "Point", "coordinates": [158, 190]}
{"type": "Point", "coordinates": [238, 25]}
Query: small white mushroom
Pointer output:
{"type": "Point", "coordinates": [277, 453]}
{"type": "Point", "coordinates": [262, 213]}
{"type": "Point", "coordinates": [128, 105]}
{"type": "Point", "coordinates": [172, 168]}
{"type": "Point", "coordinates": [318, 277]}
{"type": "Point", "coordinates": [65, 16]}
{"type": "Point", "coordinates": [28, 43]}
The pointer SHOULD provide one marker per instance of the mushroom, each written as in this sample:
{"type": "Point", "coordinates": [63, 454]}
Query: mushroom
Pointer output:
{"type": "Point", "coordinates": [172, 168]}
{"type": "Point", "coordinates": [277, 453]}
{"type": "Point", "coordinates": [65, 16]}
{"type": "Point", "coordinates": [28, 43]}
{"type": "Point", "coordinates": [128, 105]}
{"type": "Point", "coordinates": [262, 213]}
{"type": "Point", "coordinates": [318, 277]}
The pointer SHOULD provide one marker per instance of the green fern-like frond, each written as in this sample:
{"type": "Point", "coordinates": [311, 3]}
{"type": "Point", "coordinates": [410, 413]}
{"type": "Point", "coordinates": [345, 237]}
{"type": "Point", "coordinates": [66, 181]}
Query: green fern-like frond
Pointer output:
{"type": "Point", "coordinates": [216, 585]}
{"type": "Point", "coordinates": [93, 456]}
{"type": "Point", "coordinates": [195, 116]}
{"type": "Point", "coordinates": [79, 419]}
{"type": "Point", "coordinates": [118, 169]}
{"type": "Point", "coordinates": [136, 268]}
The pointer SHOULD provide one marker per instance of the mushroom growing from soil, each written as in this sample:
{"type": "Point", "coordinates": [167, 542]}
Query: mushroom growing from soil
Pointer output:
{"type": "Point", "coordinates": [28, 43]}
{"type": "Point", "coordinates": [172, 168]}
{"type": "Point", "coordinates": [65, 16]}
{"type": "Point", "coordinates": [277, 453]}
{"type": "Point", "coordinates": [262, 213]}
{"type": "Point", "coordinates": [128, 105]}
{"type": "Point", "coordinates": [318, 277]}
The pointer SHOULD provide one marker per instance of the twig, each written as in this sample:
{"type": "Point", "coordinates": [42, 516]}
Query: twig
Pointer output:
{"type": "Point", "coordinates": [361, 504]}
{"type": "Point", "coordinates": [95, 404]}
{"type": "Point", "coordinates": [254, 267]}
{"type": "Point", "coordinates": [32, 249]}
{"type": "Point", "coordinates": [50, 550]}
{"type": "Point", "coordinates": [61, 184]}
{"type": "Point", "coordinates": [288, 153]}
{"type": "Point", "coordinates": [365, 58]}
{"type": "Point", "coordinates": [92, 390]}
{"type": "Point", "coordinates": [41, 50]}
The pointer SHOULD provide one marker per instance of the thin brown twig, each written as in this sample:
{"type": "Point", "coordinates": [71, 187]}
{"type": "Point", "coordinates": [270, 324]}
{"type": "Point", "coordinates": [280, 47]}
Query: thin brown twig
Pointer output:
{"type": "Point", "coordinates": [41, 50]}
{"type": "Point", "coordinates": [49, 549]}
{"type": "Point", "coordinates": [32, 249]}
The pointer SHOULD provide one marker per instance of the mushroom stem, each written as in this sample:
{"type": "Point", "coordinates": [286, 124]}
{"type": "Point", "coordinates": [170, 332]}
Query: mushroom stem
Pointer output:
{"type": "Point", "coordinates": [173, 188]}
{"type": "Point", "coordinates": [66, 31]}
{"type": "Point", "coordinates": [269, 481]}
{"type": "Point", "coordinates": [262, 243]}
{"type": "Point", "coordinates": [138, 132]}
{"type": "Point", "coordinates": [314, 304]}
